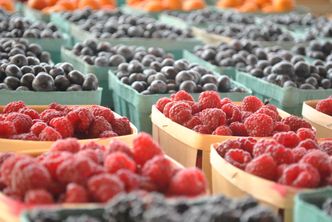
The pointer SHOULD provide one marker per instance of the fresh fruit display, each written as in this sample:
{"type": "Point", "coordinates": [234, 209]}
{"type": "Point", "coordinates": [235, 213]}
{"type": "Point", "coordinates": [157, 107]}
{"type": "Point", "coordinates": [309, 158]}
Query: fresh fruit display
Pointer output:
{"type": "Point", "coordinates": [327, 206]}
{"type": "Point", "coordinates": [213, 115]}
{"type": "Point", "coordinates": [7, 5]}
{"type": "Point", "coordinates": [114, 24]}
{"type": "Point", "coordinates": [265, 6]}
{"type": "Point", "coordinates": [162, 5]}
{"type": "Point", "coordinates": [104, 54]}
{"type": "Point", "coordinates": [325, 106]}
{"type": "Point", "coordinates": [321, 50]}
{"type": "Point", "coordinates": [156, 75]}
{"type": "Point", "coordinates": [74, 173]}
{"type": "Point", "coordinates": [19, 122]}
{"type": "Point", "coordinates": [141, 206]}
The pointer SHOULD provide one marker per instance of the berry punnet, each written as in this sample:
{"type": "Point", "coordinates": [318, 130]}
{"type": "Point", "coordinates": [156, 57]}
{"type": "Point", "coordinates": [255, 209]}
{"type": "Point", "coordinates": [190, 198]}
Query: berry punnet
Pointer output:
{"type": "Point", "coordinates": [75, 173]}
{"type": "Point", "coordinates": [285, 158]}
{"type": "Point", "coordinates": [220, 116]}
{"type": "Point", "coordinates": [20, 122]}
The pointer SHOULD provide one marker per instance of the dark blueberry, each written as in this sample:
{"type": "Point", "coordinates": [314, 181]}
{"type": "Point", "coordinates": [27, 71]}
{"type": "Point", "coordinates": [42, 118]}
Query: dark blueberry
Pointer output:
{"type": "Point", "coordinates": [257, 72]}
{"type": "Point", "coordinates": [209, 78]}
{"type": "Point", "coordinates": [116, 60]}
{"type": "Point", "coordinates": [127, 53]}
{"type": "Point", "coordinates": [325, 83]}
{"type": "Point", "coordinates": [12, 82]}
{"type": "Point", "coordinates": [183, 76]}
{"type": "Point", "coordinates": [188, 86]}
{"type": "Point", "coordinates": [307, 86]}
{"type": "Point", "coordinates": [67, 67]}
{"type": "Point", "coordinates": [27, 80]}
{"type": "Point", "coordinates": [76, 77]}
{"type": "Point", "coordinates": [45, 57]}
{"type": "Point", "coordinates": [101, 61]}
{"type": "Point", "coordinates": [138, 86]}
{"type": "Point", "coordinates": [91, 43]}
{"type": "Point", "coordinates": [35, 49]}
{"type": "Point", "coordinates": [155, 65]}
{"type": "Point", "coordinates": [3, 86]}
{"type": "Point", "coordinates": [135, 67]}
{"type": "Point", "coordinates": [262, 64]}
{"type": "Point", "coordinates": [267, 71]}
{"type": "Point", "coordinates": [181, 65]}
{"type": "Point", "coordinates": [289, 83]}
{"type": "Point", "coordinates": [74, 87]}
{"type": "Point", "coordinates": [259, 214]}
{"type": "Point", "coordinates": [13, 70]}
{"type": "Point", "coordinates": [224, 84]}
{"type": "Point", "coordinates": [283, 68]}
{"type": "Point", "coordinates": [210, 87]}
{"type": "Point", "coordinates": [252, 59]}
{"type": "Point", "coordinates": [19, 60]}
{"type": "Point", "coordinates": [32, 61]}
{"type": "Point", "coordinates": [169, 72]}
{"type": "Point", "coordinates": [302, 69]}
{"type": "Point", "coordinates": [22, 88]}
{"type": "Point", "coordinates": [38, 69]}
{"type": "Point", "coordinates": [158, 86]}
{"type": "Point", "coordinates": [43, 82]}
{"type": "Point", "coordinates": [167, 62]}
{"type": "Point", "coordinates": [171, 86]}
{"type": "Point", "coordinates": [56, 71]}
{"type": "Point", "coordinates": [123, 67]}
{"type": "Point", "coordinates": [274, 60]}
{"type": "Point", "coordinates": [90, 82]}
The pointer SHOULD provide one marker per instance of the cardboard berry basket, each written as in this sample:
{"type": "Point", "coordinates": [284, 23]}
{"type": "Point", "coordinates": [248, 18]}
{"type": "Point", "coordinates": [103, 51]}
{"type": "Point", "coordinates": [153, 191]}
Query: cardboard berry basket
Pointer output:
{"type": "Point", "coordinates": [321, 121]}
{"type": "Point", "coordinates": [137, 107]}
{"type": "Point", "coordinates": [25, 146]}
{"type": "Point", "coordinates": [185, 145]}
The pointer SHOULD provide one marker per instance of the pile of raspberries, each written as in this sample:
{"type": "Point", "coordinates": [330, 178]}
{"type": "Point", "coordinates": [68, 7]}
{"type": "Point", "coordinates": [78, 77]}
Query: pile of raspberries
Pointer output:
{"type": "Point", "coordinates": [325, 106]}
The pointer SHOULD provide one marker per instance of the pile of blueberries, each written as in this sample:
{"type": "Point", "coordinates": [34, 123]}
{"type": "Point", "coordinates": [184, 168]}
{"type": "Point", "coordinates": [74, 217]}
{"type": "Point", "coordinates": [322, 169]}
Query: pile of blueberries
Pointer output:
{"type": "Point", "coordinates": [321, 29]}
{"type": "Point", "coordinates": [294, 19]}
{"type": "Point", "coordinates": [315, 49]}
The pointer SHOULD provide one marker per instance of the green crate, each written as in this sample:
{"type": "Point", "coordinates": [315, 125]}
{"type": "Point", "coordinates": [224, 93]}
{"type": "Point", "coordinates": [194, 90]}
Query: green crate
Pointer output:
{"type": "Point", "coordinates": [288, 99]}
{"type": "Point", "coordinates": [68, 56]}
{"type": "Point", "coordinates": [19, 7]}
{"type": "Point", "coordinates": [307, 206]}
{"type": "Point", "coordinates": [137, 107]}
{"type": "Point", "coordinates": [61, 22]}
{"type": "Point", "coordinates": [45, 98]}
{"type": "Point", "coordinates": [138, 12]}
{"type": "Point", "coordinates": [34, 14]}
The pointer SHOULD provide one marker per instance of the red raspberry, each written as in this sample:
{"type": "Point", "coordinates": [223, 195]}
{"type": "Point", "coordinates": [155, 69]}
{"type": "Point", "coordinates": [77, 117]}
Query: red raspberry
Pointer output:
{"type": "Point", "coordinates": [81, 118]}
{"type": "Point", "coordinates": [319, 160]}
{"type": "Point", "coordinates": [180, 112]}
{"type": "Point", "coordinates": [98, 126]}
{"type": "Point", "coordinates": [121, 126]}
{"type": "Point", "coordinates": [212, 118]}
{"type": "Point", "coordinates": [251, 104]}
{"type": "Point", "coordinates": [147, 185]}
{"type": "Point", "coordinates": [63, 126]}
{"type": "Point", "coordinates": [194, 121]}
{"type": "Point", "coordinates": [108, 134]}
{"type": "Point", "coordinates": [13, 107]}
{"type": "Point", "coordinates": [161, 103]}
{"type": "Point", "coordinates": [92, 145]}
{"type": "Point", "coordinates": [70, 145]}
{"type": "Point", "coordinates": [48, 114]}
{"type": "Point", "coordinates": [298, 153]}
{"type": "Point", "coordinates": [281, 169]}
{"type": "Point", "coordinates": [288, 139]}
{"type": "Point", "coordinates": [129, 179]}
{"type": "Point", "coordinates": [103, 111]}
{"type": "Point", "coordinates": [280, 127]}
{"type": "Point", "coordinates": [119, 146]}
{"type": "Point", "coordinates": [94, 155]}
{"type": "Point", "coordinates": [144, 148]}
{"type": "Point", "coordinates": [104, 187]}
{"type": "Point", "coordinates": [247, 144]}
{"type": "Point", "coordinates": [25, 136]}
{"type": "Point", "coordinates": [238, 158]}
{"type": "Point", "coordinates": [4, 157]}
{"type": "Point", "coordinates": [300, 175]}
{"type": "Point", "coordinates": [181, 95]}
{"type": "Point", "coordinates": [271, 107]}
{"type": "Point", "coordinates": [38, 197]}
{"type": "Point", "coordinates": [222, 131]}
{"type": "Point", "coordinates": [59, 107]}
{"type": "Point", "coordinates": [203, 129]}
{"type": "Point", "coordinates": [21, 122]}
{"type": "Point", "coordinates": [308, 144]}
{"type": "Point", "coordinates": [30, 112]}
{"type": "Point", "coordinates": [305, 133]}
{"type": "Point", "coordinates": [7, 129]}
{"type": "Point", "coordinates": [263, 166]}
{"type": "Point", "coordinates": [259, 125]}
{"type": "Point", "coordinates": [296, 123]}
{"type": "Point", "coordinates": [49, 134]}
{"type": "Point", "coordinates": [227, 145]}
{"type": "Point", "coordinates": [118, 160]}
{"type": "Point", "coordinates": [160, 171]}
{"type": "Point", "coordinates": [194, 107]}
{"type": "Point", "coordinates": [261, 146]}
{"type": "Point", "coordinates": [188, 182]}
{"type": "Point", "coordinates": [238, 129]}
{"type": "Point", "coordinates": [325, 106]}
{"type": "Point", "coordinates": [225, 101]}
{"type": "Point", "coordinates": [232, 112]}
{"type": "Point", "coordinates": [51, 160]}
{"type": "Point", "coordinates": [280, 154]}
{"type": "Point", "coordinates": [326, 147]}
{"type": "Point", "coordinates": [167, 108]}
{"type": "Point", "coordinates": [38, 127]}
{"type": "Point", "coordinates": [209, 99]}
{"type": "Point", "coordinates": [8, 166]}
{"type": "Point", "coordinates": [274, 115]}
{"type": "Point", "coordinates": [245, 115]}
{"type": "Point", "coordinates": [76, 193]}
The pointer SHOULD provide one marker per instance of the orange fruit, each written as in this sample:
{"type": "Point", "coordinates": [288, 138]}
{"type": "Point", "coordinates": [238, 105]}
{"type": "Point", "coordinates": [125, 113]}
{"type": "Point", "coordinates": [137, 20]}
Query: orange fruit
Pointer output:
{"type": "Point", "coordinates": [37, 4]}
{"type": "Point", "coordinates": [229, 3]}
{"type": "Point", "coordinates": [172, 4]}
{"type": "Point", "coordinates": [248, 6]}
{"type": "Point", "coordinates": [268, 8]}
{"type": "Point", "coordinates": [190, 5]}
{"type": "Point", "coordinates": [283, 5]}
{"type": "Point", "coordinates": [107, 2]}
{"type": "Point", "coordinates": [262, 3]}
{"type": "Point", "coordinates": [68, 5]}
{"type": "Point", "coordinates": [154, 6]}
{"type": "Point", "coordinates": [51, 2]}
{"type": "Point", "coordinates": [7, 5]}
{"type": "Point", "coordinates": [93, 4]}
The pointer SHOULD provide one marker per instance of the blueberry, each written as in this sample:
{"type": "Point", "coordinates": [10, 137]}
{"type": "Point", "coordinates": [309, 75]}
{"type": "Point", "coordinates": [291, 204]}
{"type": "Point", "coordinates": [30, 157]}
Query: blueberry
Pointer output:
{"type": "Point", "coordinates": [101, 61]}
{"type": "Point", "coordinates": [188, 86]}
{"type": "Point", "coordinates": [26, 69]}
{"type": "Point", "coordinates": [32, 61]}
{"type": "Point", "coordinates": [12, 82]}
{"type": "Point", "coordinates": [224, 84]}
{"type": "Point", "coordinates": [38, 69]}
{"type": "Point", "coordinates": [169, 72]}
{"type": "Point", "coordinates": [116, 60]}
{"type": "Point", "coordinates": [43, 82]}
{"type": "Point", "coordinates": [307, 86]}
{"type": "Point", "coordinates": [183, 76]}
{"type": "Point", "coordinates": [76, 77]}
{"type": "Point", "coordinates": [3, 86]}
{"type": "Point", "coordinates": [67, 67]}
{"type": "Point", "coordinates": [19, 60]}
{"type": "Point", "coordinates": [210, 87]}
{"type": "Point", "coordinates": [74, 87]}
{"type": "Point", "coordinates": [158, 86]}
{"type": "Point", "coordinates": [283, 68]}
{"type": "Point", "coordinates": [209, 78]}
{"type": "Point", "coordinates": [138, 86]}
{"type": "Point", "coordinates": [302, 69]}
{"type": "Point", "coordinates": [56, 71]}
{"type": "Point", "coordinates": [90, 82]}
{"type": "Point", "coordinates": [22, 88]}
{"type": "Point", "coordinates": [27, 80]}
{"type": "Point", "coordinates": [13, 70]}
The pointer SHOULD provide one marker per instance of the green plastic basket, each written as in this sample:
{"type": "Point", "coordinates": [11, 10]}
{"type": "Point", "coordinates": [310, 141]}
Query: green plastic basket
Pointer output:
{"type": "Point", "coordinates": [307, 206]}
{"type": "Point", "coordinates": [137, 107]}
{"type": "Point", "coordinates": [34, 14]}
{"type": "Point", "coordinates": [19, 7]}
{"type": "Point", "coordinates": [135, 11]}
{"type": "Point", "coordinates": [62, 23]}
{"type": "Point", "coordinates": [288, 99]}
{"type": "Point", "coordinates": [68, 56]}
{"type": "Point", "coordinates": [179, 23]}
{"type": "Point", "coordinates": [45, 98]}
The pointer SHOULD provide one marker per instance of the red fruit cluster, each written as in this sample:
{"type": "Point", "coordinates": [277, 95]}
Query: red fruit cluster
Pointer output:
{"type": "Point", "coordinates": [286, 158]}
{"type": "Point", "coordinates": [74, 173]}
{"type": "Point", "coordinates": [58, 122]}
{"type": "Point", "coordinates": [213, 115]}
{"type": "Point", "coordinates": [325, 106]}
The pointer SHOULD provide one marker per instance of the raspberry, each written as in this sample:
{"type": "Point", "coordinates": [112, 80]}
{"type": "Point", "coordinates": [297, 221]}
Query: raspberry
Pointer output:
{"type": "Point", "coordinates": [271, 107]}
{"type": "Point", "coordinates": [118, 160]}
{"type": "Point", "coordinates": [59, 107]}
{"type": "Point", "coordinates": [298, 153]}
{"type": "Point", "coordinates": [305, 133]}
{"type": "Point", "coordinates": [70, 145]}
{"type": "Point", "coordinates": [238, 158]}
{"type": "Point", "coordinates": [181, 95]}
{"type": "Point", "coordinates": [274, 115]}
{"type": "Point", "coordinates": [7, 129]}
{"type": "Point", "coordinates": [245, 115]}
{"type": "Point", "coordinates": [161, 103]}
{"type": "Point", "coordinates": [180, 112]}
{"type": "Point", "coordinates": [259, 125]}
{"type": "Point", "coordinates": [38, 197]}
{"type": "Point", "coordinates": [251, 104]}
{"type": "Point", "coordinates": [94, 155]}
{"type": "Point", "coordinates": [144, 148]}
{"type": "Point", "coordinates": [119, 146]}
{"type": "Point", "coordinates": [99, 125]}
{"type": "Point", "coordinates": [225, 101]}
{"type": "Point", "coordinates": [167, 108]}
{"type": "Point", "coordinates": [308, 144]}
{"type": "Point", "coordinates": [212, 118]}
{"type": "Point", "coordinates": [21, 122]}
{"type": "Point", "coordinates": [104, 187]}
{"type": "Point", "coordinates": [280, 127]}
{"type": "Point", "coordinates": [147, 185]}
{"type": "Point", "coordinates": [319, 160]}
{"type": "Point", "coordinates": [227, 145]}
{"type": "Point", "coordinates": [247, 144]}
{"type": "Point", "coordinates": [49, 134]}
{"type": "Point", "coordinates": [48, 114]}
{"type": "Point", "coordinates": [325, 106]}
{"type": "Point", "coordinates": [238, 129]}
{"type": "Point", "coordinates": [25, 136]}
{"type": "Point", "coordinates": [36, 128]}
{"type": "Point", "coordinates": [194, 107]}
{"type": "Point", "coordinates": [261, 146]}
{"type": "Point", "coordinates": [76, 193]}
{"type": "Point", "coordinates": [232, 111]}
{"type": "Point", "coordinates": [8, 165]}
{"type": "Point", "coordinates": [51, 160]}
{"type": "Point", "coordinates": [300, 175]}
{"type": "Point", "coordinates": [92, 145]}
{"type": "Point", "coordinates": [63, 126]}
{"type": "Point", "coordinates": [202, 129]}
{"type": "Point", "coordinates": [108, 134]}
{"type": "Point", "coordinates": [30, 112]}
{"type": "Point", "coordinates": [4, 157]}
{"type": "Point", "coordinates": [326, 147]}
{"type": "Point", "coordinates": [280, 154]}
{"type": "Point", "coordinates": [188, 182]}
{"type": "Point", "coordinates": [160, 171]}
{"type": "Point", "coordinates": [103, 111]}
{"type": "Point", "coordinates": [130, 180]}
{"type": "Point", "coordinates": [13, 107]}
{"type": "Point", "coordinates": [81, 118]}
{"type": "Point", "coordinates": [296, 123]}
{"type": "Point", "coordinates": [222, 131]}
{"type": "Point", "coordinates": [121, 126]}
{"type": "Point", "coordinates": [263, 166]}
{"type": "Point", "coordinates": [194, 121]}
{"type": "Point", "coordinates": [281, 169]}
{"type": "Point", "coordinates": [288, 139]}
{"type": "Point", "coordinates": [209, 99]}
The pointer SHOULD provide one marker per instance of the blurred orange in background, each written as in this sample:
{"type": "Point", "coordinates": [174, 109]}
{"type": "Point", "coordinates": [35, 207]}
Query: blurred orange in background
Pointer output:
{"type": "Point", "coordinates": [268, 6]}
{"type": "Point", "coordinates": [161, 5]}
